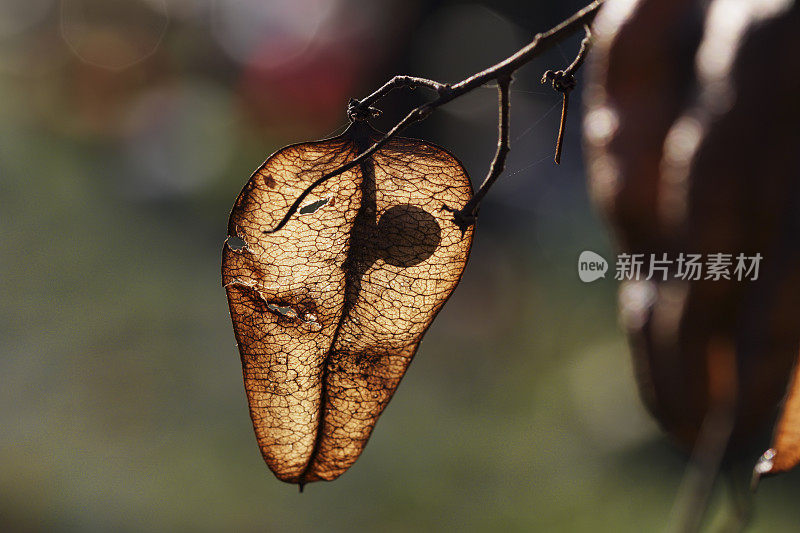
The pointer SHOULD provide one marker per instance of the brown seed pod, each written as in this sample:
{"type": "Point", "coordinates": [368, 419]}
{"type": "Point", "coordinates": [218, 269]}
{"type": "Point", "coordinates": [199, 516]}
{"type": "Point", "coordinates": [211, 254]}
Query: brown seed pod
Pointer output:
{"type": "Point", "coordinates": [329, 310]}
{"type": "Point", "coordinates": [692, 135]}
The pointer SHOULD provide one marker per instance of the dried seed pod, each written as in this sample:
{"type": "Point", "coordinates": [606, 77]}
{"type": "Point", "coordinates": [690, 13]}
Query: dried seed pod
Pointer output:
{"type": "Point", "coordinates": [697, 163]}
{"type": "Point", "coordinates": [329, 310]}
{"type": "Point", "coordinates": [640, 78]}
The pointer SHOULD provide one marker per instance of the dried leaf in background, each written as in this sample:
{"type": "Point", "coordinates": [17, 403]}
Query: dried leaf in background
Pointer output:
{"type": "Point", "coordinates": [329, 310]}
{"type": "Point", "coordinates": [685, 156]}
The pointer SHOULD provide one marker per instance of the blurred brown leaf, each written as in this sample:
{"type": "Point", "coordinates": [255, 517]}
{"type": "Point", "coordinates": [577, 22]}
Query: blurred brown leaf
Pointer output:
{"type": "Point", "coordinates": [329, 311]}
{"type": "Point", "coordinates": [693, 149]}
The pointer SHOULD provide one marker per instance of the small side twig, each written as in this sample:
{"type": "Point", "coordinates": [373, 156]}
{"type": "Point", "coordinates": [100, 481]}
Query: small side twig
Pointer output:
{"type": "Point", "coordinates": [398, 82]}
{"type": "Point", "coordinates": [465, 217]}
{"type": "Point", "coordinates": [564, 82]}
{"type": "Point", "coordinates": [360, 110]}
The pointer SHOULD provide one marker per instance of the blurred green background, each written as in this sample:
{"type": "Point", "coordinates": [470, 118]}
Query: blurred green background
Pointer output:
{"type": "Point", "coordinates": [127, 128]}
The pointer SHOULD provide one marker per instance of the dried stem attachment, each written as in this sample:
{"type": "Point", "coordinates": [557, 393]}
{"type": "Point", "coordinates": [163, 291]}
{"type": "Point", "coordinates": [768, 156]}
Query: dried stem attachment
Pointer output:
{"type": "Point", "coordinates": [564, 82]}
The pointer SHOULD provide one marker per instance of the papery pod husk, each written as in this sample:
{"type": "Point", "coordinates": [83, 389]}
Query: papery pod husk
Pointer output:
{"type": "Point", "coordinates": [692, 134]}
{"type": "Point", "coordinates": [329, 311]}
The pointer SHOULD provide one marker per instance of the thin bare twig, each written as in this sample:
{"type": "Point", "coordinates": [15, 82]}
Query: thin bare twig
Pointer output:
{"type": "Point", "coordinates": [446, 93]}
{"type": "Point", "coordinates": [357, 107]}
{"type": "Point", "coordinates": [564, 82]}
{"type": "Point", "coordinates": [465, 217]}
{"type": "Point", "coordinates": [586, 45]}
